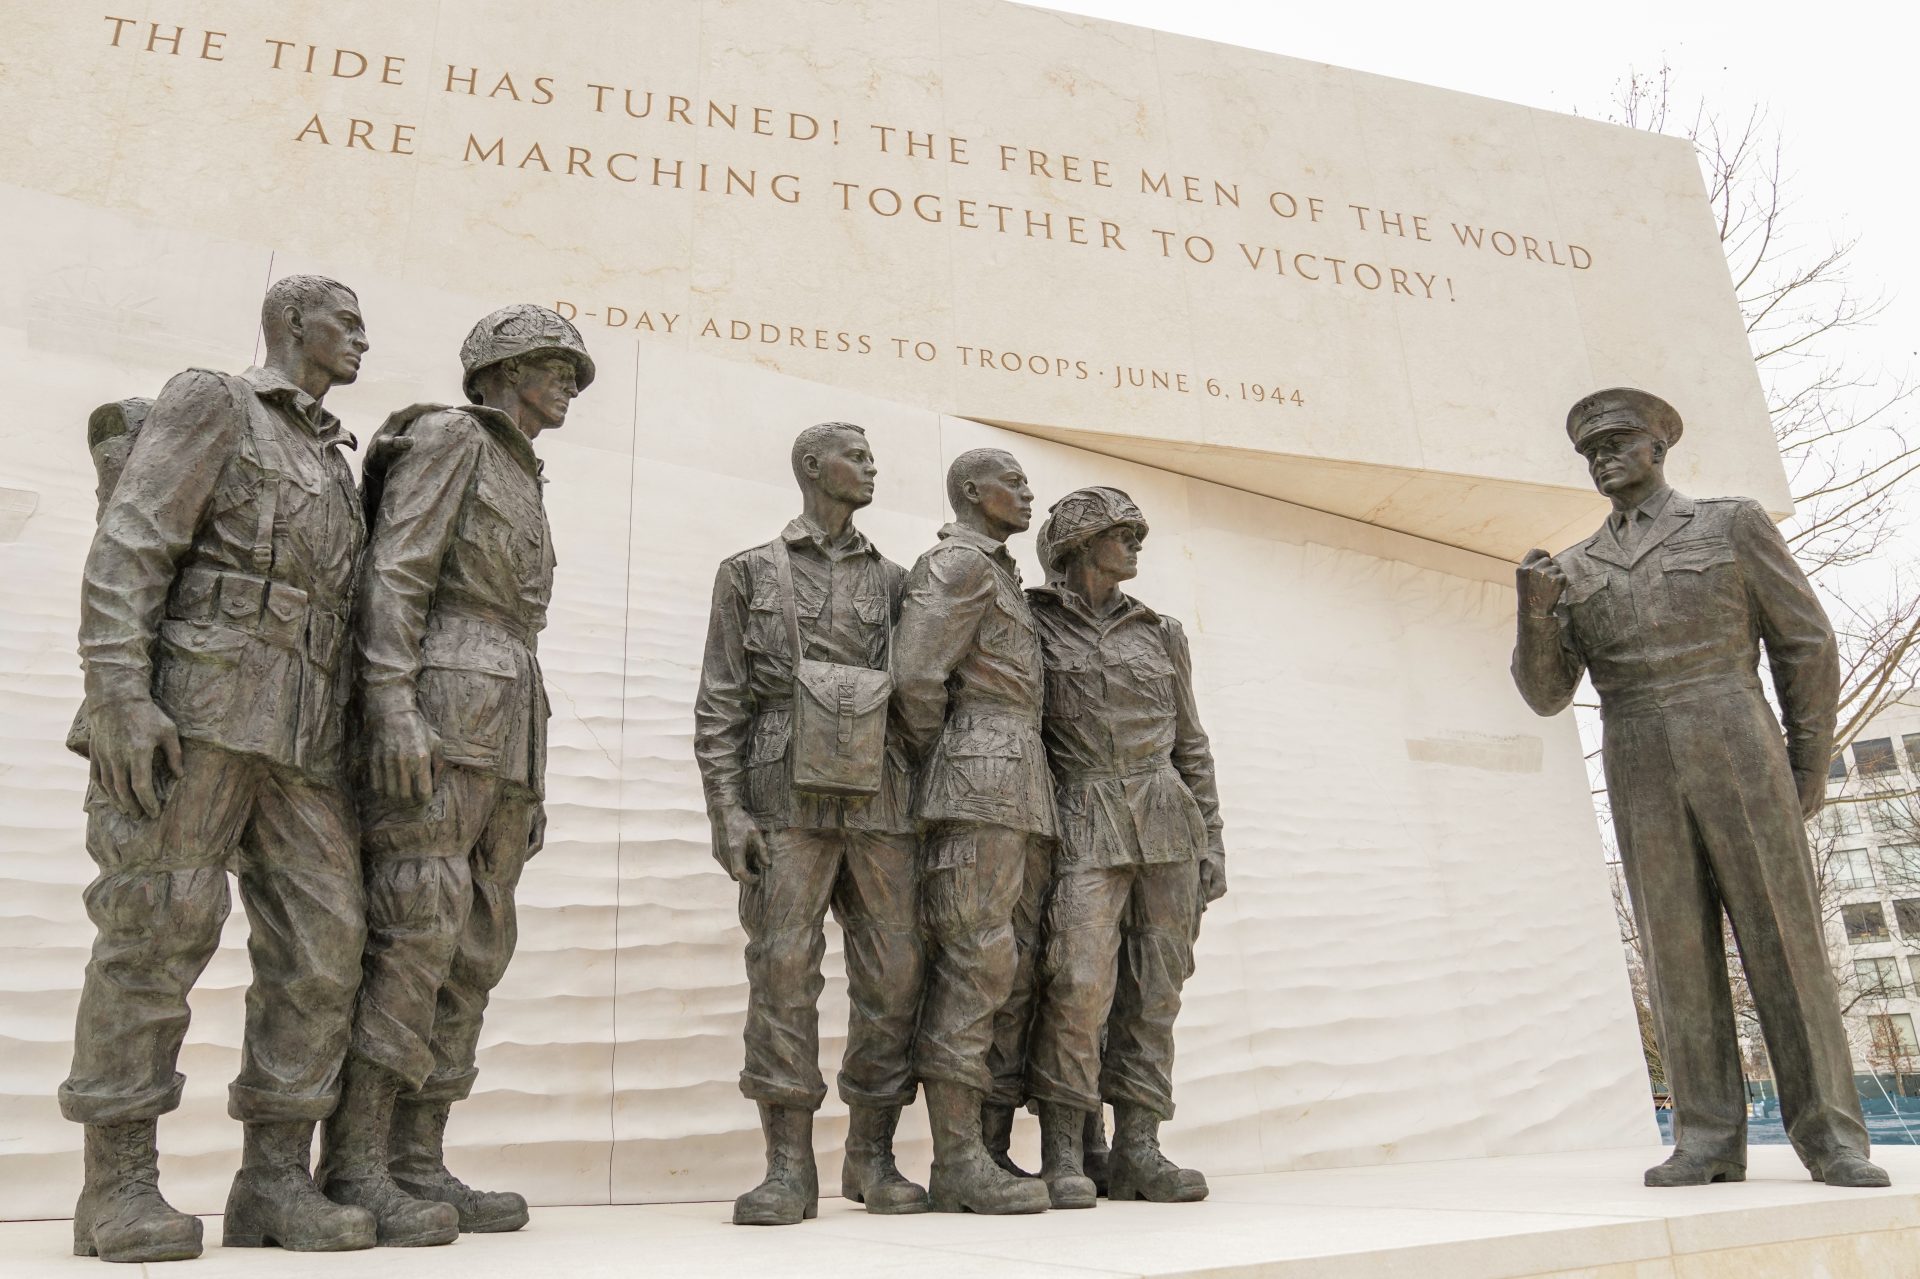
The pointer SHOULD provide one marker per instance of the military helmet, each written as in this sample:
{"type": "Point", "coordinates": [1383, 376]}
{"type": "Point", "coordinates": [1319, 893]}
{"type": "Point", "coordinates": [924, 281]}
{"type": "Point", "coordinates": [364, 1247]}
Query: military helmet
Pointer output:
{"type": "Point", "coordinates": [1083, 515]}
{"type": "Point", "coordinates": [522, 329]}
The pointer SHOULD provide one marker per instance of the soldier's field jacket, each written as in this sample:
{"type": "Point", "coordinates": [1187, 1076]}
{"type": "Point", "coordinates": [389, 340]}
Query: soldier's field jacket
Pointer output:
{"type": "Point", "coordinates": [847, 597]}
{"type": "Point", "coordinates": [1681, 617]}
{"type": "Point", "coordinates": [967, 688]}
{"type": "Point", "coordinates": [1132, 766]}
{"type": "Point", "coordinates": [221, 573]}
{"type": "Point", "coordinates": [459, 572]}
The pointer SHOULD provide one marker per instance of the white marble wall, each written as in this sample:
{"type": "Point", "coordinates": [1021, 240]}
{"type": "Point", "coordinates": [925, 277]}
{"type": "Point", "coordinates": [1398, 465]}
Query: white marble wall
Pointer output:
{"type": "Point", "coordinates": [1435, 409]}
{"type": "Point", "coordinates": [1417, 959]}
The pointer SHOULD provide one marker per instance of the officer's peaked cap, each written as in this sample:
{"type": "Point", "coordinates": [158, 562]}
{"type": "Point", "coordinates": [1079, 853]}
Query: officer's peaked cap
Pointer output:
{"type": "Point", "coordinates": [1622, 408]}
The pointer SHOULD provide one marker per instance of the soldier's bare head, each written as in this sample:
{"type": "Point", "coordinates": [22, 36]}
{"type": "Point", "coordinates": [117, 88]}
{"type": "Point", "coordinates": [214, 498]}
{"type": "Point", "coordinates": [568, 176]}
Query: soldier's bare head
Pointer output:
{"type": "Point", "coordinates": [314, 332]}
{"type": "Point", "coordinates": [834, 461]}
{"type": "Point", "coordinates": [989, 493]}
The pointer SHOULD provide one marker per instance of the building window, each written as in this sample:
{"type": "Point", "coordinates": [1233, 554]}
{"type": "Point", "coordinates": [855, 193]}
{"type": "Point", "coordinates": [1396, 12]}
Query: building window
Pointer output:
{"type": "Point", "coordinates": [1900, 863]}
{"type": "Point", "coordinates": [1878, 978]}
{"type": "Point", "coordinates": [1874, 755]}
{"type": "Point", "coordinates": [1894, 1043]}
{"type": "Point", "coordinates": [1866, 921]}
{"type": "Point", "coordinates": [1837, 771]}
{"type": "Point", "coordinates": [1890, 816]}
{"type": "Point", "coordinates": [1851, 869]}
{"type": "Point", "coordinates": [1907, 911]}
{"type": "Point", "coordinates": [1840, 819]}
{"type": "Point", "coordinates": [1912, 742]}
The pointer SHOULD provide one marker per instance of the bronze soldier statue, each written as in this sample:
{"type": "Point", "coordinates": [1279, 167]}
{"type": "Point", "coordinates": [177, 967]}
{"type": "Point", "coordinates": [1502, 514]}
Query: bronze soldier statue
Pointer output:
{"type": "Point", "coordinates": [968, 689]}
{"type": "Point", "coordinates": [1140, 855]}
{"type": "Point", "coordinates": [818, 602]}
{"type": "Point", "coordinates": [1666, 607]}
{"type": "Point", "coordinates": [212, 625]}
{"type": "Point", "coordinates": [458, 575]}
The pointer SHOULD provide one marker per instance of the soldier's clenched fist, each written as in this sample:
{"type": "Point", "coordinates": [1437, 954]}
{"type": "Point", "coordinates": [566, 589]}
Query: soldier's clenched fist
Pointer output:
{"type": "Point", "coordinates": [1539, 582]}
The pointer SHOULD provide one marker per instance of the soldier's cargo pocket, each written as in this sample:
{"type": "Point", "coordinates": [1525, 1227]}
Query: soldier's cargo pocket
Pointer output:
{"type": "Point", "coordinates": [197, 672]}
{"type": "Point", "coordinates": [985, 764]}
{"type": "Point", "coordinates": [466, 693]}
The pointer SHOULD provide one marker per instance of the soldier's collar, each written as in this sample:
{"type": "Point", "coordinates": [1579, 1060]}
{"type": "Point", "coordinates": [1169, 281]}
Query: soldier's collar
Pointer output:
{"type": "Point", "coordinates": [979, 541]}
{"type": "Point", "coordinates": [803, 528]}
{"type": "Point", "coordinates": [1655, 503]}
{"type": "Point", "coordinates": [275, 387]}
{"type": "Point", "coordinates": [511, 437]}
{"type": "Point", "coordinates": [1070, 600]}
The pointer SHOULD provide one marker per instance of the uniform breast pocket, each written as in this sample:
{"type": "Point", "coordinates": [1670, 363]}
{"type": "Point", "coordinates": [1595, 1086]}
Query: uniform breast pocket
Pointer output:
{"type": "Point", "coordinates": [1593, 605]}
{"type": "Point", "coordinates": [1151, 672]}
{"type": "Point", "coordinates": [511, 525]}
{"type": "Point", "coordinates": [1700, 577]}
{"type": "Point", "coordinates": [1073, 685]}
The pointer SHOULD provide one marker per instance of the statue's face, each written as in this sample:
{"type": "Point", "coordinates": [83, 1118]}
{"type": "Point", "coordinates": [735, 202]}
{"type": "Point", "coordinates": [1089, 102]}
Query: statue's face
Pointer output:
{"type": "Point", "coordinates": [547, 386]}
{"type": "Point", "coordinates": [334, 337]}
{"type": "Point", "coordinates": [1116, 552]}
{"type": "Point", "coordinates": [844, 469]}
{"type": "Point", "coordinates": [1003, 496]}
{"type": "Point", "coordinates": [1622, 460]}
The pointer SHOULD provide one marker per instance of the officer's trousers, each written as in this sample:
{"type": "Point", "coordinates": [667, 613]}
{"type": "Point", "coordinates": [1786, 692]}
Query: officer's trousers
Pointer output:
{"type": "Point", "coordinates": [1709, 819]}
{"type": "Point", "coordinates": [871, 880]}
{"type": "Point", "coordinates": [1147, 914]}
{"type": "Point", "coordinates": [441, 926]}
{"type": "Point", "coordinates": [979, 973]}
{"type": "Point", "coordinates": [158, 904]}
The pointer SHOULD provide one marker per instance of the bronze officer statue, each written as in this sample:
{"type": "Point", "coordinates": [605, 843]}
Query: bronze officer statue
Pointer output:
{"type": "Point", "coordinates": [1666, 608]}
{"type": "Point", "coordinates": [798, 639]}
{"type": "Point", "coordinates": [213, 619]}
{"type": "Point", "coordinates": [451, 761]}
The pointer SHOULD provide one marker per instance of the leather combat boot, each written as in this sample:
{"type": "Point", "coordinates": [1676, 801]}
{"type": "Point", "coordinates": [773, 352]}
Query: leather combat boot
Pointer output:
{"type": "Point", "coordinates": [417, 1159]}
{"type": "Point", "coordinates": [1683, 1168]}
{"type": "Point", "coordinates": [996, 1131]}
{"type": "Point", "coordinates": [965, 1178]}
{"type": "Point", "coordinates": [274, 1203]}
{"type": "Point", "coordinates": [791, 1192]}
{"type": "Point", "coordinates": [868, 1174]}
{"type": "Point", "coordinates": [1061, 1130]}
{"type": "Point", "coordinates": [1852, 1170]}
{"type": "Point", "coordinates": [121, 1216]}
{"type": "Point", "coordinates": [353, 1164]}
{"type": "Point", "coordinates": [1094, 1153]}
{"type": "Point", "coordinates": [1137, 1169]}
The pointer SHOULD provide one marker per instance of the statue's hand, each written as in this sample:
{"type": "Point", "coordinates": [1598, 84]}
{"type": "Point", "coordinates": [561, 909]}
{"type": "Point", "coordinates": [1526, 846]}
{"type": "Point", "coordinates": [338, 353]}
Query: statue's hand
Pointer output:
{"type": "Point", "coordinates": [125, 736]}
{"type": "Point", "coordinates": [403, 760]}
{"type": "Point", "coordinates": [1213, 879]}
{"type": "Point", "coordinates": [1540, 583]}
{"type": "Point", "coordinates": [537, 830]}
{"type": "Point", "coordinates": [739, 845]}
{"type": "Point", "coordinates": [1812, 786]}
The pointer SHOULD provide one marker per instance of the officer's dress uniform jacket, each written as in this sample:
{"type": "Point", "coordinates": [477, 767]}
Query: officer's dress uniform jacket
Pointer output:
{"type": "Point", "coordinates": [219, 584]}
{"type": "Point", "coordinates": [1666, 608]}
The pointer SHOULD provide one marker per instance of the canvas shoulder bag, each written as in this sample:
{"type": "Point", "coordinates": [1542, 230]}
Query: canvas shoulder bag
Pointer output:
{"type": "Point", "coordinates": [839, 741]}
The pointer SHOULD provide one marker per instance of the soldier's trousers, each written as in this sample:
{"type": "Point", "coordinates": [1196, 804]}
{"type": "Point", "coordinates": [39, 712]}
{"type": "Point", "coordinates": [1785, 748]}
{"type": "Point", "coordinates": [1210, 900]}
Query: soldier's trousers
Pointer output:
{"type": "Point", "coordinates": [1708, 817]}
{"type": "Point", "coordinates": [158, 904]}
{"type": "Point", "coordinates": [440, 926]}
{"type": "Point", "coordinates": [871, 881]}
{"type": "Point", "coordinates": [1013, 1024]}
{"type": "Point", "coordinates": [1094, 915]}
{"type": "Point", "coordinates": [979, 975]}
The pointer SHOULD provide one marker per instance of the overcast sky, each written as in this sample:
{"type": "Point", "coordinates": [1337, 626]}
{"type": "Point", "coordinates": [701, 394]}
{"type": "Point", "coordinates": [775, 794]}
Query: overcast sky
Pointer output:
{"type": "Point", "coordinates": [1843, 79]}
